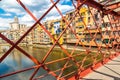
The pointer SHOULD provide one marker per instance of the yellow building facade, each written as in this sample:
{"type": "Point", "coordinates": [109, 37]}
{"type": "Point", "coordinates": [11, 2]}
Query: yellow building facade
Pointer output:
{"type": "Point", "coordinates": [57, 28]}
{"type": "Point", "coordinates": [83, 26]}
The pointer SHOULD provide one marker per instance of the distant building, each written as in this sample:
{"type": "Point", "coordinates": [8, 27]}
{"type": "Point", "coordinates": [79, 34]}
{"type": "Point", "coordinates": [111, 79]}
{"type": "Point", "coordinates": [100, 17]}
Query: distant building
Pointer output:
{"type": "Point", "coordinates": [15, 25]}
{"type": "Point", "coordinates": [57, 29]}
{"type": "Point", "coordinates": [17, 30]}
{"type": "Point", "coordinates": [40, 36]}
{"type": "Point", "coordinates": [89, 31]}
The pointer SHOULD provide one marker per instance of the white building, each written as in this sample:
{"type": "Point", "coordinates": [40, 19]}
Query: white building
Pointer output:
{"type": "Point", "coordinates": [15, 25]}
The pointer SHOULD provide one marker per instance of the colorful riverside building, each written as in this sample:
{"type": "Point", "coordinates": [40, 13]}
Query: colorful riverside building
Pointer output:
{"type": "Point", "coordinates": [70, 36]}
{"type": "Point", "coordinates": [56, 29]}
{"type": "Point", "coordinates": [110, 28]}
{"type": "Point", "coordinates": [58, 25]}
{"type": "Point", "coordinates": [85, 27]}
{"type": "Point", "coordinates": [82, 23]}
{"type": "Point", "coordinates": [89, 33]}
{"type": "Point", "coordinates": [78, 26]}
{"type": "Point", "coordinates": [85, 31]}
{"type": "Point", "coordinates": [92, 29]}
{"type": "Point", "coordinates": [40, 36]}
{"type": "Point", "coordinates": [17, 30]}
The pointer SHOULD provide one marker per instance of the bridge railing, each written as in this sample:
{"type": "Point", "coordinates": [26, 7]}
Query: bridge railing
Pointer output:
{"type": "Point", "coordinates": [88, 35]}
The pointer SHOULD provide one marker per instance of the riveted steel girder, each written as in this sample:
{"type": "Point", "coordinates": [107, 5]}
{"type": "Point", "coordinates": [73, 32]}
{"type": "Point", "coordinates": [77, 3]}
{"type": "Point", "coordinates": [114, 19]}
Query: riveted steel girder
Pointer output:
{"type": "Point", "coordinates": [113, 6]}
{"type": "Point", "coordinates": [99, 6]}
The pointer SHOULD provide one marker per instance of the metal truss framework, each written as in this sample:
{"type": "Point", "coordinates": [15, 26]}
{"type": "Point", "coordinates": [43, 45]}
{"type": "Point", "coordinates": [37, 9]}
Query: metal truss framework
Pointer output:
{"type": "Point", "coordinates": [103, 8]}
{"type": "Point", "coordinates": [81, 70]}
{"type": "Point", "coordinates": [113, 6]}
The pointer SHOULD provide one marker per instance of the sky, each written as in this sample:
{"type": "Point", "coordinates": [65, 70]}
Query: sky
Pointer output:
{"type": "Point", "coordinates": [10, 8]}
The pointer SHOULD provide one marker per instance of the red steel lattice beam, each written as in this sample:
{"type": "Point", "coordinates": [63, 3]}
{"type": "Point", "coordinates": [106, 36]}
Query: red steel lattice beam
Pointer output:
{"type": "Point", "coordinates": [41, 24]}
{"type": "Point", "coordinates": [81, 71]}
{"type": "Point", "coordinates": [99, 6]}
{"type": "Point", "coordinates": [113, 6]}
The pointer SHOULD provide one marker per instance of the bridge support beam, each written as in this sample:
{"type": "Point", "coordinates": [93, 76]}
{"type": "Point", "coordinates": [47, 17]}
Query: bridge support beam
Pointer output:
{"type": "Point", "coordinates": [99, 6]}
{"type": "Point", "coordinates": [1, 50]}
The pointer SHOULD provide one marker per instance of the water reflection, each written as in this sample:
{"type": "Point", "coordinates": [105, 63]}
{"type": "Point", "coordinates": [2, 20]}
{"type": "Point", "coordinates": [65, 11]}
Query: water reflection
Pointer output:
{"type": "Point", "coordinates": [17, 61]}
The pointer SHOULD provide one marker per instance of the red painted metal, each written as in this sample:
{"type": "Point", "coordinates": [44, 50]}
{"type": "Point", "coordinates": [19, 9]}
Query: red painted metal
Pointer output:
{"type": "Point", "coordinates": [17, 47]}
{"type": "Point", "coordinates": [26, 54]}
{"type": "Point", "coordinates": [113, 6]}
{"type": "Point", "coordinates": [3, 57]}
{"type": "Point", "coordinates": [107, 2]}
{"type": "Point", "coordinates": [99, 6]}
{"type": "Point", "coordinates": [96, 66]}
{"type": "Point", "coordinates": [43, 26]}
{"type": "Point", "coordinates": [48, 33]}
{"type": "Point", "coordinates": [82, 69]}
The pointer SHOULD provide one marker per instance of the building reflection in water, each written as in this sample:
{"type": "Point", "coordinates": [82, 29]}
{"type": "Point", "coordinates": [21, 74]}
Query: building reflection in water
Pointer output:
{"type": "Point", "coordinates": [17, 61]}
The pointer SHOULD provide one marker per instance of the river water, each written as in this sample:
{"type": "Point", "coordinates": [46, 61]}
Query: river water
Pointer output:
{"type": "Point", "coordinates": [17, 61]}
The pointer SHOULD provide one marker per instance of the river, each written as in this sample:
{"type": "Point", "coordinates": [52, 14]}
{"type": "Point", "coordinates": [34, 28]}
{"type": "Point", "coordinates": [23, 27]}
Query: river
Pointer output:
{"type": "Point", "coordinates": [17, 61]}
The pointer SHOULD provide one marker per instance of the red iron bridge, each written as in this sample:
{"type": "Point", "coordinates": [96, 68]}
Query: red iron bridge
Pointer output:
{"type": "Point", "coordinates": [92, 53]}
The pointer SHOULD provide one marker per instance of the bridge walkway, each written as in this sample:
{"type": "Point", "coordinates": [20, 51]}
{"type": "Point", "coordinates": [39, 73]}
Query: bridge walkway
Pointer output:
{"type": "Point", "coordinates": [109, 71]}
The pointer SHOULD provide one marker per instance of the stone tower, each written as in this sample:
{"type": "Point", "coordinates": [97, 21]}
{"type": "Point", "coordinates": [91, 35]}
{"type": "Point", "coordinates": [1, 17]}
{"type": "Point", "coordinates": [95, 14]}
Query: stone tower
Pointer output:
{"type": "Point", "coordinates": [15, 24]}
{"type": "Point", "coordinates": [16, 19]}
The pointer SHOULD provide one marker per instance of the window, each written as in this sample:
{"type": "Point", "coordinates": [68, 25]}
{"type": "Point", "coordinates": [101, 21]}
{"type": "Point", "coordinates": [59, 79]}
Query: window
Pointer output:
{"type": "Point", "coordinates": [103, 33]}
{"type": "Point", "coordinates": [96, 16]}
{"type": "Point", "coordinates": [108, 32]}
{"type": "Point", "coordinates": [88, 39]}
{"type": "Point", "coordinates": [88, 12]}
{"type": "Point", "coordinates": [71, 14]}
{"type": "Point", "coordinates": [105, 40]}
{"type": "Point", "coordinates": [80, 19]}
{"type": "Point", "coordinates": [88, 19]}
{"type": "Point", "coordinates": [82, 40]}
{"type": "Point", "coordinates": [108, 25]}
{"type": "Point", "coordinates": [83, 14]}
{"type": "Point", "coordinates": [98, 40]}
{"type": "Point", "coordinates": [80, 27]}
